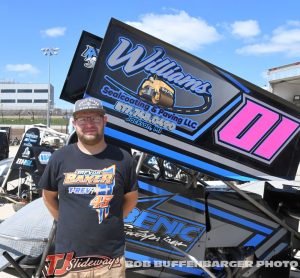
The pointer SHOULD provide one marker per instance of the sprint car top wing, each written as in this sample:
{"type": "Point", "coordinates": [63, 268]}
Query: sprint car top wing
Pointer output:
{"type": "Point", "coordinates": [167, 102]}
{"type": "Point", "coordinates": [81, 67]}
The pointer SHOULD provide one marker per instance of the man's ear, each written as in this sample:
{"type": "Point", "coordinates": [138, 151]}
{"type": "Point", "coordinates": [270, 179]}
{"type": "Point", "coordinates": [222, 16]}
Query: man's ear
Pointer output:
{"type": "Point", "coordinates": [104, 119]}
{"type": "Point", "coordinates": [73, 122]}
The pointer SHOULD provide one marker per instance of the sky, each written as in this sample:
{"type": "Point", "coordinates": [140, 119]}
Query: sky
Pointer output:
{"type": "Point", "coordinates": [243, 37]}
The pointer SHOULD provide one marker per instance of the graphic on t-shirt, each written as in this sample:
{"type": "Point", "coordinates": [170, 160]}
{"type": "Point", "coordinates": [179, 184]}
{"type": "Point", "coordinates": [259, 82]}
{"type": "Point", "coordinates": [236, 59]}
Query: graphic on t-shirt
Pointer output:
{"type": "Point", "coordinates": [103, 181]}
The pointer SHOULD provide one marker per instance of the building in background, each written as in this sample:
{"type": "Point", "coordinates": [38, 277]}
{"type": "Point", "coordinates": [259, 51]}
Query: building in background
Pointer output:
{"type": "Point", "coordinates": [284, 81]}
{"type": "Point", "coordinates": [25, 96]}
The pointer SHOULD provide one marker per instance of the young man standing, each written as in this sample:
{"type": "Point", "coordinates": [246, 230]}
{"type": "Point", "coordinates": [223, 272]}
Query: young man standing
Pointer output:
{"type": "Point", "coordinates": [89, 187]}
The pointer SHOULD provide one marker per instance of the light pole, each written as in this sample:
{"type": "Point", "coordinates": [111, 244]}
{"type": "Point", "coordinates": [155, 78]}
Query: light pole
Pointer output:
{"type": "Point", "coordinates": [50, 51]}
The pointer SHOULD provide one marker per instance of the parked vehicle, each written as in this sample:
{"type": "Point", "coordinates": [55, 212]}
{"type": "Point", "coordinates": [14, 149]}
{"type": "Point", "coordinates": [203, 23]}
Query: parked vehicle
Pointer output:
{"type": "Point", "coordinates": [7, 129]}
{"type": "Point", "coordinates": [19, 177]}
{"type": "Point", "coordinates": [53, 140]}
{"type": "Point", "coordinates": [4, 144]}
{"type": "Point", "coordinates": [178, 221]}
{"type": "Point", "coordinates": [181, 216]}
{"type": "Point", "coordinates": [49, 136]}
{"type": "Point", "coordinates": [4, 166]}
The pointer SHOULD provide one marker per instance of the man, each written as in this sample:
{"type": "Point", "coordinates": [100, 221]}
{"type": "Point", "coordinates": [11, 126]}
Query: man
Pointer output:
{"type": "Point", "coordinates": [89, 187]}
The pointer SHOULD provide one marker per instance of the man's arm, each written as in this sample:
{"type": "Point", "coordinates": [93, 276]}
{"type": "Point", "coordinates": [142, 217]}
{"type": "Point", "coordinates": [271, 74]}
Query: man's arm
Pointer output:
{"type": "Point", "coordinates": [130, 201]}
{"type": "Point", "coordinates": [51, 202]}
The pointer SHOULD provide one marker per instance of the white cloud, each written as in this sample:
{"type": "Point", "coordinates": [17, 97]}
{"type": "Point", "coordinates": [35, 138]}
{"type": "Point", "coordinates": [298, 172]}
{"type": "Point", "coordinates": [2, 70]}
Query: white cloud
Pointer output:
{"type": "Point", "coordinates": [54, 32]}
{"type": "Point", "coordinates": [293, 23]}
{"type": "Point", "coordinates": [178, 29]}
{"type": "Point", "coordinates": [245, 29]}
{"type": "Point", "coordinates": [22, 68]}
{"type": "Point", "coordinates": [284, 39]}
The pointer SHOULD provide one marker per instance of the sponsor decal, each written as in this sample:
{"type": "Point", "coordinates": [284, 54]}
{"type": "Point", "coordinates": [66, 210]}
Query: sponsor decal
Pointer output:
{"type": "Point", "coordinates": [44, 157]}
{"type": "Point", "coordinates": [171, 94]}
{"type": "Point", "coordinates": [24, 162]}
{"type": "Point", "coordinates": [90, 55]}
{"type": "Point", "coordinates": [132, 59]}
{"type": "Point", "coordinates": [31, 138]}
{"type": "Point", "coordinates": [159, 229]}
{"type": "Point", "coordinates": [145, 115]}
{"type": "Point", "coordinates": [26, 153]}
{"type": "Point", "coordinates": [60, 264]}
{"type": "Point", "coordinates": [159, 100]}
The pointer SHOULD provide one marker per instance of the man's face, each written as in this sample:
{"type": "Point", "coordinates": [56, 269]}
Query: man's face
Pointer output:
{"type": "Point", "coordinates": [89, 127]}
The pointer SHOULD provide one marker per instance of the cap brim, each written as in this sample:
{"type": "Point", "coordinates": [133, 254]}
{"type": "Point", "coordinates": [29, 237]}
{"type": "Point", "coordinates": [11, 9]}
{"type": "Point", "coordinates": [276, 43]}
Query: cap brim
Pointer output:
{"type": "Point", "coordinates": [100, 111]}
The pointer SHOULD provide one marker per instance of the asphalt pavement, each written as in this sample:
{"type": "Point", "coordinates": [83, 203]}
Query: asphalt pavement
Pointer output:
{"type": "Point", "coordinates": [12, 152]}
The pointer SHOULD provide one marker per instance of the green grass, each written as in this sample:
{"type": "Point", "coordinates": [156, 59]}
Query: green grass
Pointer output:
{"type": "Point", "coordinates": [24, 121]}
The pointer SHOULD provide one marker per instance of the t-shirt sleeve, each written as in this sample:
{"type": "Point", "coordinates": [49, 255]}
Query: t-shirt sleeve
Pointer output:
{"type": "Point", "coordinates": [132, 182]}
{"type": "Point", "coordinates": [48, 180]}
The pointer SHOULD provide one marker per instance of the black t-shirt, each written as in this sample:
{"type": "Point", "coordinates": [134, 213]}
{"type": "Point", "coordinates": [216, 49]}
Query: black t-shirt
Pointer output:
{"type": "Point", "coordinates": [91, 189]}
